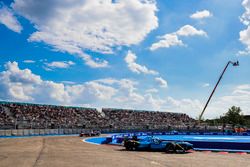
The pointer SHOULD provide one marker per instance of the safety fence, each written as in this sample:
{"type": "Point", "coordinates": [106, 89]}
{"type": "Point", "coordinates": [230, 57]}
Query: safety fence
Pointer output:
{"type": "Point", "coordinates": [40, 132]}
{"type": "Point", "coordinates": [127, 129]}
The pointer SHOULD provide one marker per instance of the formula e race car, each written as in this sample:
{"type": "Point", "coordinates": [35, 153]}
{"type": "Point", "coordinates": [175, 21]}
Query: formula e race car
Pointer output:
{"type": "Point", "coordinates": [152, 143]}
{"type": "Point", "coordinates": [90, 133]}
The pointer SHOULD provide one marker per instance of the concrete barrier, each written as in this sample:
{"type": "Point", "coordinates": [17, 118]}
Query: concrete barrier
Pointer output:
{"type": "Point", "coordinates": [20, 132]}
{"type": "Point", "coordinates": [32, 132]}
{"type": "Point", "coordinates": [2, 132]}
{"type": "Point", "coordinates": [66, 131]}
{"type": "Point", "coordinates": [78, 131]}
{"type": "Point", "coordinates": [8, 133]}
{"type": "Point", "coordinates": [70, 131]}
{"type": "Point", "coordinates": [26, 132]}
{"type": "Point", "coordinates": [74, 131]}
{"type": "Point", "coordinates": [61, 131]}
{"type": "Point", "coordinates": [51, 131]}
{"type": "Point", "coordinates": [36, 131]}
{"type": "Point", "coordinates": [46, 131]}
{"type": "Point", "coordinates": [42, 132]}
{"type": "Point", "coordinates": [54, 131]}
{"type": "Point", "coordinates": [14, 132]}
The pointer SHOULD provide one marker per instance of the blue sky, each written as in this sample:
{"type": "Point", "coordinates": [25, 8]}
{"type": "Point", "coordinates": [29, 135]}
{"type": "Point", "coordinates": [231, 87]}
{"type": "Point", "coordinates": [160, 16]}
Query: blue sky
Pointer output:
{"type": "Point", "coordinates": [156, 55]}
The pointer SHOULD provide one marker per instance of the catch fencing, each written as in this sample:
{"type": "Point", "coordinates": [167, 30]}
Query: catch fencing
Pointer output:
{"type": "Point", "coordinates": [40, 132]}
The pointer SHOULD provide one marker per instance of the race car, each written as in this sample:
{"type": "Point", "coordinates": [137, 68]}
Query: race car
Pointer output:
{"type": "Point", "coordinates": [89, 134]}
{"type": "Point", "coordinates": [152, 143]}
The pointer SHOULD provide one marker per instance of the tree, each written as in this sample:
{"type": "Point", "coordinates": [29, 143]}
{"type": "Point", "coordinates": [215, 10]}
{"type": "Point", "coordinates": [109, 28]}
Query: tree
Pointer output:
{"type": "Point", "coordinates": [233, 116]}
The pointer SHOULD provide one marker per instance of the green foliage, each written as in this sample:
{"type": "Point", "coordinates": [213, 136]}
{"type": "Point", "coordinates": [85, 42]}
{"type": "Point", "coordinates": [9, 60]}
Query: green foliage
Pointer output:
{"type": "Point", "coordinates": [233, 116]}
{"type": "Point", "coordinates": [214, 122]}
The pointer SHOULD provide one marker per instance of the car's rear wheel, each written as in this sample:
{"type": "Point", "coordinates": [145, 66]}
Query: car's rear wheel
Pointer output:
{"type": "Point", "coordinates": [134, 148]}
{"type": "Point", "coordinates": [170, 148]}
{"type": "Point", "coordinates": [180, 148]}
{"type": "Point", "coordinates": [127, 148]}
{"type": "Point", "coordinates": [130, 147]}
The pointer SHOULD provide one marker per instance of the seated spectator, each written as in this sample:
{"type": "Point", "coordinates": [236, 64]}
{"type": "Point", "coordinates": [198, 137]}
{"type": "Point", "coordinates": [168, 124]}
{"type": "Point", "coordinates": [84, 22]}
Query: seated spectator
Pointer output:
{"type": "Point", "coordinates": [50, 116]}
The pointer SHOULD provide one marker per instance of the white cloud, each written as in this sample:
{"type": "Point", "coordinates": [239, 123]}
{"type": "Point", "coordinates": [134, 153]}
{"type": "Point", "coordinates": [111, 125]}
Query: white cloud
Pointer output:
{"type": "Point", "coordinates": [205, 85]}
{"type": "Point", "coordinates": [189, 106]}
{"type": "Point", "coordinates": [97, 63]}
{"type": "Point", "coordinates": [162, 83]}
{"type": "Point", "coordinates": [240, 97]}
{"type": "Point", "coordinates": [201, 14]}
{"type": "Point", "coordinates": [47, 68]}
{"type": "Point", "coordinates": [8, 19]}
{"type": "Point", "coordinates": [246, 15]}
{"type": "Point", "coordinates": [245, 39]}
{"type": "Point", "coordinates": [189, 30]}
{"type": "Point", "coordinates": [167, 41]}
{"type": "Point", "coordinates": [154, 103]}
{"type": "Point", "coordinates": [23, 76]}
{"type": "Point", "coordinates": [68, 82]}
{"type": "Point", "coordinates": [243, 53]}
{"type": "Point", "coordinates": [153, 90]}
{"type": "Point", "coordinates": [60, 64]}
{"type": "Point", "coordinates": [137, 68]}
{"type": "Point", "coordinates": [16, 83]}
{"type": "Point", "coordinates": [172, 39]}
{"type": "Point", "coordinates": [29, 61]}
{"type": "Point", "coordinates": [245, 34]}
{"type": "Point", "coordinates": [22, 85]}
{"type": "Point", "coordinates": [100, 26]}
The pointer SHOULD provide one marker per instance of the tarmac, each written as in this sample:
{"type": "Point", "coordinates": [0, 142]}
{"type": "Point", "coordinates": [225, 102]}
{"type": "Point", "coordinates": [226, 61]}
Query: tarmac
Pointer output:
{"type": "Point", "coordinates": [71, 151]}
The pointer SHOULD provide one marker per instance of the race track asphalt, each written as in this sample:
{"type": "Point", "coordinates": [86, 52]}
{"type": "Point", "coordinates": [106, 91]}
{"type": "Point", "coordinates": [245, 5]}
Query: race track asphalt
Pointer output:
{"type": "Point", "coordinates": [71, 151]}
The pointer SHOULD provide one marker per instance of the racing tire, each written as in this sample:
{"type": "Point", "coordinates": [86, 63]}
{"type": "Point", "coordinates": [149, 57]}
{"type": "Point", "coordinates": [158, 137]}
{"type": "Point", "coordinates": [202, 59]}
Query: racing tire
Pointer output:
{"type": "Point", "coordinates": [148, 148]}
{"type": "Point", "coordinates": [171, 148]}
{"type": "Point", "coordinates": [134, 148]}
{"type": "Point", "coordinates": [131, 147]}
{"type": "Point", "coordinates": [127, 148]}
{"type": "Point", "coordinates": [180, 149]}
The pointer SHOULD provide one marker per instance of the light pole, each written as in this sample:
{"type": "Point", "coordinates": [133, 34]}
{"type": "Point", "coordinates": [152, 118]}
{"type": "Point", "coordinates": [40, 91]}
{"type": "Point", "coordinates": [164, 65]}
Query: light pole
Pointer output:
{"type": "Point", "coordinates": [230, 62]}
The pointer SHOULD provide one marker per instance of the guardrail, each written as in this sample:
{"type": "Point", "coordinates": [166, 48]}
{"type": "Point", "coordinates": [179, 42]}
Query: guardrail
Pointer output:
{"type": "Point", "coordinates": [39, 132]}
{"type": "Point", "coordinates": [68, 131]}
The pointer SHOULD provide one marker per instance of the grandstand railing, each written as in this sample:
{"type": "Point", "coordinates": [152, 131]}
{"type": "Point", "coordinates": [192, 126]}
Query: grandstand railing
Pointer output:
{"type": "Point", "coordinates": [40, 132]}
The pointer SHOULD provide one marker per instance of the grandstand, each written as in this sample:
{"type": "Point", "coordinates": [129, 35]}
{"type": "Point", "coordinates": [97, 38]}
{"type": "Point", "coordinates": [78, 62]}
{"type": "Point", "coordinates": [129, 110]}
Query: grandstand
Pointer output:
{"type": "Point", "coordinates": [15, 115]}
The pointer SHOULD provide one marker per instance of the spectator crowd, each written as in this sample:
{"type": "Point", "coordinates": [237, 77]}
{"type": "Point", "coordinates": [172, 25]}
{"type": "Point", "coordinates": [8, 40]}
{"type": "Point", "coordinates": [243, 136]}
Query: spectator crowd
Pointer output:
{"type": "Point", "coordinates": [37, 116]}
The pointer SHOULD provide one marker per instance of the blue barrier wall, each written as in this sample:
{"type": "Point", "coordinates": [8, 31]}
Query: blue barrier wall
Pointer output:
{"type": "Point", "coordinates": [206, 141]}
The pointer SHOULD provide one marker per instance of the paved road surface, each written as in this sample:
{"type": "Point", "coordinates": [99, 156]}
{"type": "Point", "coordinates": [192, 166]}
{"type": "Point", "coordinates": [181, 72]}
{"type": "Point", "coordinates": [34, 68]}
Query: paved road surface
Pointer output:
{"type": "Point", "coordinates": [71, 152]}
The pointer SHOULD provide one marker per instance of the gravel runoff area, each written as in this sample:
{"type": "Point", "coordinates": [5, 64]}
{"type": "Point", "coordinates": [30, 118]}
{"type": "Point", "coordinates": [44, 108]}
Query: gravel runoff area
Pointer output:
{"type": "Point", "coordinates": [72, 151]}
